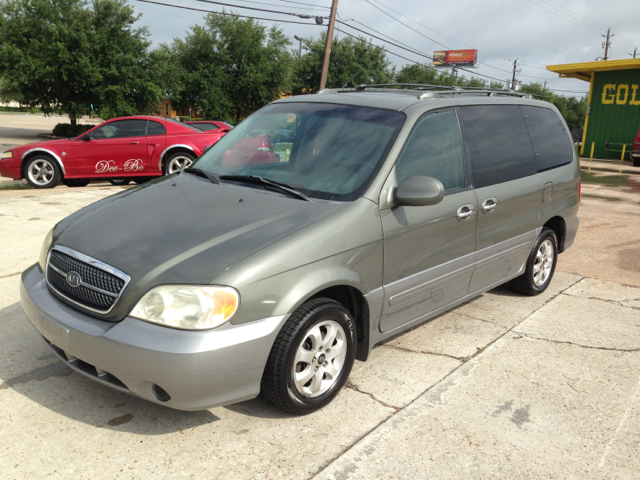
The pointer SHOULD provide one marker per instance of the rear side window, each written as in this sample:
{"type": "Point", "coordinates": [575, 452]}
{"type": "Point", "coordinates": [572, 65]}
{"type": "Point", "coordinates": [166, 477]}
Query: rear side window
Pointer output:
{"type": "Point", "coordinates": [551, 141]}
{"type": "Point", "coordinates": [434, 149]}
{"type": "Point", "coordinates": [155, 128]}
{"type": "Point", "coordinates": [499, 143]}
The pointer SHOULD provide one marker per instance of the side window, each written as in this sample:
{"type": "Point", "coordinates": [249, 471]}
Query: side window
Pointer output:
{"type": "Point", "coordinates": [551, 141]}
{"type": "Point", "coordinates": [434, 149]}
{"type": "Point", "coordinates": [499, 143]}
{"type": "Point", "coordinates": [121, 129]}
{"type": "Point", "coordinates": [155, 128]}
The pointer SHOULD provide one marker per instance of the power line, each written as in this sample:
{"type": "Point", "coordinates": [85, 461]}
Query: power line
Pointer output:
{"type": "Point", "coordinates": [229, 14]}
{"type": "Point", "coordinates": [255, 8]}
{"type": "Point", "coordinates": [309, 4]}
{"type": "Point", "coordinates": [276, 5]}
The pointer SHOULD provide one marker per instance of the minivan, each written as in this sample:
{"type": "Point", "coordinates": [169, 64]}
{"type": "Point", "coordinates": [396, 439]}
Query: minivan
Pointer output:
{"type": "Point", "coordinates": [318, 227]}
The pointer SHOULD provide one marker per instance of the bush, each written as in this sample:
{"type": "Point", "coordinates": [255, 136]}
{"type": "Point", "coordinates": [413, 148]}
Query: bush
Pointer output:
{"type": "Point", "coordinates": [66, 130]}
{"type": "Point", "coordinates": [184, 118]}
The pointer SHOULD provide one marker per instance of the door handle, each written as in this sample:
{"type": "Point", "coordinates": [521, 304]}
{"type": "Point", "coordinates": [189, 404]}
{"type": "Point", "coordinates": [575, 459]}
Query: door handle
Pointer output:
{"type": "Point", "coordinates": [135, 142]}
{"type": "Point", "coordinates": [489, 205]}
{"type": "Point", "coordinates": [465, 212]}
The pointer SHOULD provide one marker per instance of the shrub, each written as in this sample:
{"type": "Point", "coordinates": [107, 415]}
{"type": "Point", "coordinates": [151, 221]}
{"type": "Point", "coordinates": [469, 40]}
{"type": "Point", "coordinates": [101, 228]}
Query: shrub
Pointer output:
{"type": "Point", "coordinates": [67, 130]}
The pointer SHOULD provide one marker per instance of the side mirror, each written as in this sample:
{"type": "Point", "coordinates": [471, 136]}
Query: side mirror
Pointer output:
{"type": "Point", "coordinates": [86, 138]}
{"type": "Point", "coordinates": [419, 191]}
{"type": "Point", "coordinates": [225, 129]}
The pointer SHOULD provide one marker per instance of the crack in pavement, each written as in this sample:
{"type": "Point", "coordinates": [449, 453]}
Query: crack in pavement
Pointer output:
{"type": "Point", "coordinates": [10, 275]}
{"type": "Point", "coordinates": [353, 387]}
{"type": "Point", "coordinates": [533, 337]}
{"type": "Point", "coordinates": [435, 385]}
{"type": "Point", "coordinates": [405, 349]}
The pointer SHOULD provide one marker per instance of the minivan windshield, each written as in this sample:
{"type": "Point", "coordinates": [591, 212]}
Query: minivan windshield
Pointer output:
{"type": "Point", "coordinates": [323, 150]}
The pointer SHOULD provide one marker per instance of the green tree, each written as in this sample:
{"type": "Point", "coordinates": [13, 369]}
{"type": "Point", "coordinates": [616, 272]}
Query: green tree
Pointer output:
{"type": "Point", "coordinates": [64, 55]}
{"type": "Point", "coordinates": [353, 62]}
{"type": "Point", "coordinates": [429, 75]}
{"type": "Point", "coordinates": [228, 67]}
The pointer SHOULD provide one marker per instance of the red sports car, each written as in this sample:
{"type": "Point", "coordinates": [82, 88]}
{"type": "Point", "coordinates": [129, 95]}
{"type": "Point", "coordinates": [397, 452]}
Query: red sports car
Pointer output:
{"type": "Point", "coordinates": [119, 150]}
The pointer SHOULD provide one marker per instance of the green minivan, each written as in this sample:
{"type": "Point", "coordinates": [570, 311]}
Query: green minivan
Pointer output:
{"type": "Point", "coordinates": [317, 228]}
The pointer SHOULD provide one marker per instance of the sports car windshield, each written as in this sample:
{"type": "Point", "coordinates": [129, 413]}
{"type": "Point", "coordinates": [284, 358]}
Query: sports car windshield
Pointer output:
{"type": "Point", "coordinates": [325, 151]}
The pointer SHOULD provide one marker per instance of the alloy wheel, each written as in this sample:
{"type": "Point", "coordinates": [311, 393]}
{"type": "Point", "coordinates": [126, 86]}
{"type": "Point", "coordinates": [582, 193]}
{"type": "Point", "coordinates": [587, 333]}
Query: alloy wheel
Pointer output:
{"type": "Point", "coordinates": [319, 359]}
{"type": "Point", "coordinates": [543, 262]}
{"type": "Point", "coordinates": [178, 163]}
{"type": "Point", "coordinates": [41, 172]}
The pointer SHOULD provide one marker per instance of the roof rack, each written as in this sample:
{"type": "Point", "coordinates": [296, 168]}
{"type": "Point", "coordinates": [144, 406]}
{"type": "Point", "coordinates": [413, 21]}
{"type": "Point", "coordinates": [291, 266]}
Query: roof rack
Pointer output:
{"type": "Point", "coordinates": [432, 91]}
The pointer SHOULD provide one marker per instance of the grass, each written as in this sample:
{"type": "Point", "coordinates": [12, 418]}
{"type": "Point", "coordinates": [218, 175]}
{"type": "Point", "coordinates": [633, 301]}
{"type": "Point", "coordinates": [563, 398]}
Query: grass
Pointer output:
{"type": "Point", "coordinates": [16, 186]}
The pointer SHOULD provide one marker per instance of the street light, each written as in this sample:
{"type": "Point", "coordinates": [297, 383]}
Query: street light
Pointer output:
{"type": "Point", "coordinates": [300, 40]}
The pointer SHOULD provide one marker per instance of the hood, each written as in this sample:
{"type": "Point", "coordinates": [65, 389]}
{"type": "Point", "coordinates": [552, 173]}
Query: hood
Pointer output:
{"type": "Point", "coordinates": [43, 144]}
{"type": "Point", "coordinates": [182, 229]}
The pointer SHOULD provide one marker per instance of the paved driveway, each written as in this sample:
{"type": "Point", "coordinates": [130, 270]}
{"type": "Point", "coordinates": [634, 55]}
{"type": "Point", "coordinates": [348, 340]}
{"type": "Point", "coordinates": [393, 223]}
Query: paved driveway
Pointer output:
{"type": "Point", "coordinates": [504, 387]}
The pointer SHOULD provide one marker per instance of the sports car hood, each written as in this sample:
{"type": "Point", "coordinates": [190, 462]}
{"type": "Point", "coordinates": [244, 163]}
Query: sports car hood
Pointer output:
{"type": "Point", "coordinates": [182, 229]}
{"type": "Point", "coordinates": [45, 144]}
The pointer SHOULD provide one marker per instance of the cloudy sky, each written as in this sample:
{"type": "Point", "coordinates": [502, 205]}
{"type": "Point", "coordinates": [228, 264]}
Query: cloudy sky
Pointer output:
{"type": "Point", "coordinates": [535, 32]}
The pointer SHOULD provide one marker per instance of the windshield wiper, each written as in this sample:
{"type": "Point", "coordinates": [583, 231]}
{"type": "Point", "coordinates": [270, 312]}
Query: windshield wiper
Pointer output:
{"type": "Point", "coordinates": [267, 182]}
{"type": "Point", "coordinates": [202, 173]}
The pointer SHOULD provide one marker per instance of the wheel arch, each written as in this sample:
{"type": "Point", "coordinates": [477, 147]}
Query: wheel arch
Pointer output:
{"type": "Point", "coordinates": [179, 147]}
{"type": "Point", "coordinates": [29, 154]}
{"type": "Point", "coordinates": [559, 227]}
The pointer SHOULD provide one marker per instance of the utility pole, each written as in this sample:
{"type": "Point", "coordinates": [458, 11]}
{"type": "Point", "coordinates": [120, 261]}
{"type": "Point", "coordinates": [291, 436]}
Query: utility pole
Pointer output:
{"type": "Point", "coordinates": [607, 43]}
{"type": "Point", "coordinates": [634, 52]}
{"type": "Point", "coordinates": [300, 40]}
{"type": "Point", "coordinates": [513, 79]}
{"type": "Point", "coordinates": [327, 47]}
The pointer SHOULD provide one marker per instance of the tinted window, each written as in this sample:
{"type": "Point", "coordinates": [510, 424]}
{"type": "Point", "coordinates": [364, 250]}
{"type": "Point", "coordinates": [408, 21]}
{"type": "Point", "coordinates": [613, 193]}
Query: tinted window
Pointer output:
{"type": "Point", "coordinates": [551, 141]}
{"type": "Point", "coordinates": [121, 129]}
{"type": "Point", "coordinates": [155, 128]}
{"type": "Point", "coordinates": [434, 149]}
{"type": "Point", "coordinates": [499, 143]}
{"type": "Point", "coordinates": [204, 126]}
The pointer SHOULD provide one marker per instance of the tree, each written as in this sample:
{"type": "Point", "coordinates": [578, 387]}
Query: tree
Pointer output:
{"type": "Point", "coordinates": [353, 62]}
{"type": "Point", "coordinates": [227, 68]}
{"type": "Point", "coordinates": [429, 75]}
{"type": "Point", "coordinates": [65, 56]}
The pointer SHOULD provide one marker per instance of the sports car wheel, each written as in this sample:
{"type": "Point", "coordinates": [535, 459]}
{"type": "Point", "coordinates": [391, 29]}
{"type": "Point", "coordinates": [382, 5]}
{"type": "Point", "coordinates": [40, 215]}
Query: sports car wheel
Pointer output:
{"type": "Point", "coordinates": [42, 172]}
{"type": "Point", "coordinates": [177, 162]}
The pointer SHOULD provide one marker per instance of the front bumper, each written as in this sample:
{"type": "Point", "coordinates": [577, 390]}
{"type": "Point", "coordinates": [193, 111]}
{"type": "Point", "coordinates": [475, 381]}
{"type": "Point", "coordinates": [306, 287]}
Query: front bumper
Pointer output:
{"type": "Point", "coordinates": [198, 370]}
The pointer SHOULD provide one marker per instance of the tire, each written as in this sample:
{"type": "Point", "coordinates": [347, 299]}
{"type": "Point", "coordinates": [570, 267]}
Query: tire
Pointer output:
{"type": "Point", "coordinates": [42, 171]}
{"type": "Point", "coordinates": [294, 342]}
{"type": "Point", "coordinates": [119, 182]}
{"type": "Point", "coordinates": [636, 161]}
{"type": "Point", "coordinates": [75, 183]}
{"type": "Point", "coordinates": [538, 272]}
{"type": "Point", "coordinates": [177, 161]}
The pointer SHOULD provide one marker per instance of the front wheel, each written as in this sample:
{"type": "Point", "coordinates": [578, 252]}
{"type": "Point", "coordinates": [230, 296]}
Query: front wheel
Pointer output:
{"type": "Point", "coordinates": [540, 265]}
{"type": "Point", "coordinates": [311, 358]}
{"type": "Point", "coordinates": [42, 172]}
{"type": "Point", "coordinates": [177, 162]}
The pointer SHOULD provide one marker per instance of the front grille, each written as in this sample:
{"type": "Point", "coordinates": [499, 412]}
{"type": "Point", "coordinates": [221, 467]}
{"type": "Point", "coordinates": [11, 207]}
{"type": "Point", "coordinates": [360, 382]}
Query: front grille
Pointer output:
{"type": "Point", "coordinates": [99, 285]}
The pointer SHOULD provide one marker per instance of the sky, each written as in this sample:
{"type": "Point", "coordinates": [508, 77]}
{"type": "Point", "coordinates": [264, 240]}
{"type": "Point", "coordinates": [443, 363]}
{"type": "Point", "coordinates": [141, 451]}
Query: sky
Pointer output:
{"type": "Point", "coordinates": [535, 32]}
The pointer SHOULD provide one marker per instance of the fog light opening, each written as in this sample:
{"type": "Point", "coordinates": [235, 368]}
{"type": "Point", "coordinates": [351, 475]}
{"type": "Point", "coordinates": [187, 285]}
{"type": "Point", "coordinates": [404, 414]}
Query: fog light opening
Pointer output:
{"type": "Point", "coordinates": [160, 393]}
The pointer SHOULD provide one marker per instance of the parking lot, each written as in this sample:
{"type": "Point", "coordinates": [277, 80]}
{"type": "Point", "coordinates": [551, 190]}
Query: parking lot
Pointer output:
{"type": "Point", "coordinates": [504, 386]}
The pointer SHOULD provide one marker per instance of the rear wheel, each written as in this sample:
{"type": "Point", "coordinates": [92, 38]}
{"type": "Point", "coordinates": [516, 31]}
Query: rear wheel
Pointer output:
{"type": "Point", "coordinates": [75, 183]}
{"type": "Point", "coordinates": [42, 172]}
{"type": "Point", "coordinates": [311, 358]}
{"type": "Point", "coordinates": [636, 161]}
{"type": "Point", "coordinates": [119, 182]}
{"type": "Point", "coordinates": [540, 265]}
{"type": "Point", "coordinates": [177, 161]}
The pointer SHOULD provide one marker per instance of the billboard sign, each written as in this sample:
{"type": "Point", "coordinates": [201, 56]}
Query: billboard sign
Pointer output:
{"type": "Point", "coordinates": [455, 58]}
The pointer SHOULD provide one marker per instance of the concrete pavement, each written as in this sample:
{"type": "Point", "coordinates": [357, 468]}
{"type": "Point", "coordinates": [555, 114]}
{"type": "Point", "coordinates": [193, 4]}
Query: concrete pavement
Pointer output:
{"type": "Point", "coordinates": [504, 386]}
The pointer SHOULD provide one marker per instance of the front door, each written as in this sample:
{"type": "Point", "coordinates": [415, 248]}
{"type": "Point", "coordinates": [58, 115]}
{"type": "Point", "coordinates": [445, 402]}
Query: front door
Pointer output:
{"type": "Point", "coordinates": [115, 149]}
{"type": "Point", "coordinates": [429, 250]}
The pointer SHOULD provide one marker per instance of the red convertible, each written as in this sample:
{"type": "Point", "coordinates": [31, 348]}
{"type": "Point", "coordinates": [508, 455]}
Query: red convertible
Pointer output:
{"type": "Point", "coordinates": [119, 150]}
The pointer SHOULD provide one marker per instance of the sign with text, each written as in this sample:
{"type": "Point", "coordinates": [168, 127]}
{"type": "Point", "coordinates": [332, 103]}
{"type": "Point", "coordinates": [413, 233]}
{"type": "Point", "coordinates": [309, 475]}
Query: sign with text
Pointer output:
{"type": "Point", "coordinates": [455, 58]}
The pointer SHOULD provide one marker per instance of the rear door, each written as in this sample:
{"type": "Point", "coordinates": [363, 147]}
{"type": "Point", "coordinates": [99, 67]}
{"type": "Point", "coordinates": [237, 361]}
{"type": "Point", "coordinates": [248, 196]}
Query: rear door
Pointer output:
{"type": "Point", "coordinates": [114, 149]}
{"type": "Point", "coordinates": [429, 250]}
{"type": "Point", "coordinates": [508, 190]}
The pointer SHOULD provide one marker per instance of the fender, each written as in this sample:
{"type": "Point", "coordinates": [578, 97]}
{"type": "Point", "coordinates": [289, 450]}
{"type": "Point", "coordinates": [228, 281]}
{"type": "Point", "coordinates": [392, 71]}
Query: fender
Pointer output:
{"type": "Point", "coordinates": [174, 146]}
{"type": "Point", "coordinates": [45, 150]}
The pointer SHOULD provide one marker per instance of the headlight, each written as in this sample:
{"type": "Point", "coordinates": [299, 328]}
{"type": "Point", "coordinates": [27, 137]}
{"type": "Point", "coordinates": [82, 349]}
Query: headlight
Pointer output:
{"type": "Point", "coordinates": [8, 154]}
{"type": "Point", "coordinates": [187, 307]}
{"type": "Point", "coordinates": [44, 250]}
